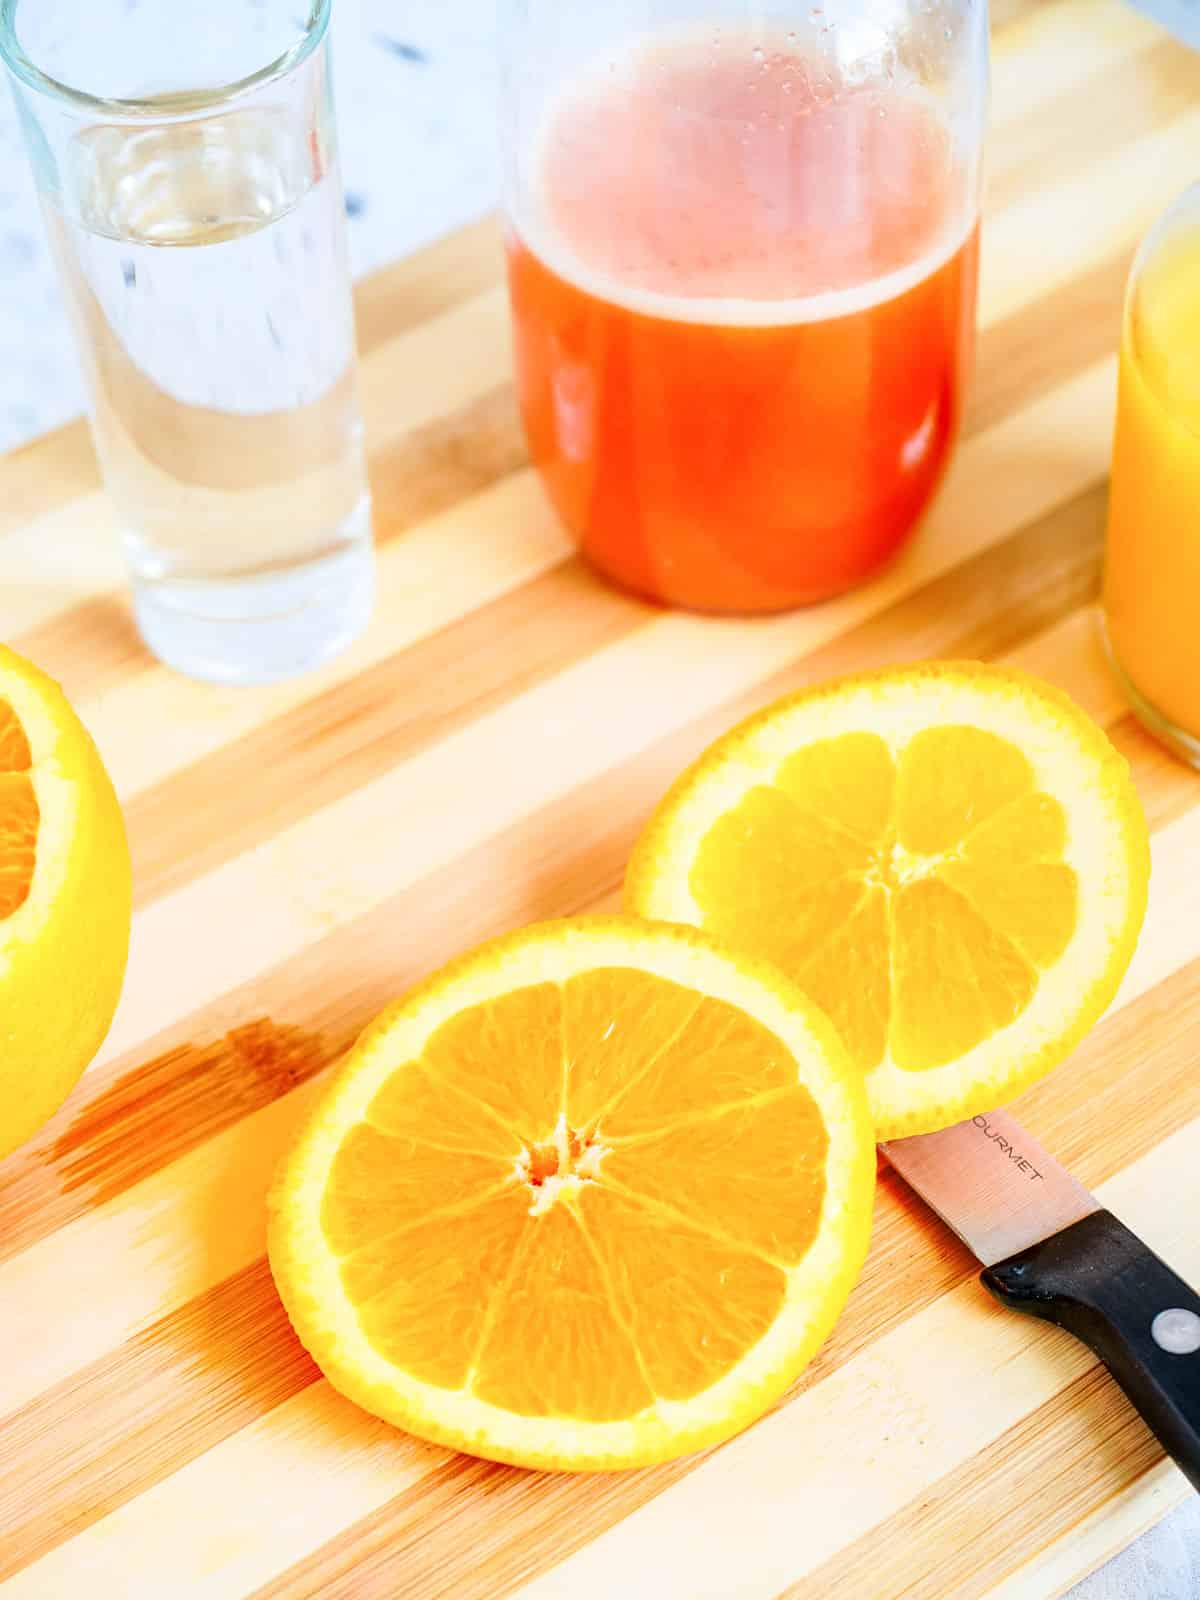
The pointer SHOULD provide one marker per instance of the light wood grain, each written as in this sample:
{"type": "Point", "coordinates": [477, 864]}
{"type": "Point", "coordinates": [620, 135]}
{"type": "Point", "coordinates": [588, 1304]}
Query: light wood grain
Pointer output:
{"type": "Point", "coordinates": [482, 757]}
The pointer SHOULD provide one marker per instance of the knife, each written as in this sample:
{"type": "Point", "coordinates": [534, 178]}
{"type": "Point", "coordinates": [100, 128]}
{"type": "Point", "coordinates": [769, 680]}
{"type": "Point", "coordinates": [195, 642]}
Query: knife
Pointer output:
{"type": "Point", "coordinates": [1051, 1250]}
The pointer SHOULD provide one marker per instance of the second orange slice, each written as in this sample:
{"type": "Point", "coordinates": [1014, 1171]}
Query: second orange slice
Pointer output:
{"type": "Point", "coordinates": [950, 859]}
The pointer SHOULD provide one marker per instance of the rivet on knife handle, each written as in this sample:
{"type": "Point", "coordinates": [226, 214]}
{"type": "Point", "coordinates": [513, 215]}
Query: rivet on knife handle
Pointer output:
{"type": "Point", "coordinates": [1098, 1280]}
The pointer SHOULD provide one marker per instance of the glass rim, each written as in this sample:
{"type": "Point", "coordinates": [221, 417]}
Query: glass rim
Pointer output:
{"type": "Point", "coordinates": [175, 102]}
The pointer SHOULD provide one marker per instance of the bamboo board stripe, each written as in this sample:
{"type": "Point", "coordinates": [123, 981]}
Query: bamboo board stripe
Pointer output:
{"type": "Point", "coordinates": [483, 757]}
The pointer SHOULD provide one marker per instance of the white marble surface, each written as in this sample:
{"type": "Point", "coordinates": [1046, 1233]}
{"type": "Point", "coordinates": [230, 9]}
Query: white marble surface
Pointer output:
{"type": "Point", "coordinates": [416, 86]}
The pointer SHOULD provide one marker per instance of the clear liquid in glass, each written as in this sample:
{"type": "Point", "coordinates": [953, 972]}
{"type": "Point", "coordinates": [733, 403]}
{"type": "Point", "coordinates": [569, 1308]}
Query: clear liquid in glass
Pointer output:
{"type": "Point", "coordinates": [205, 264]}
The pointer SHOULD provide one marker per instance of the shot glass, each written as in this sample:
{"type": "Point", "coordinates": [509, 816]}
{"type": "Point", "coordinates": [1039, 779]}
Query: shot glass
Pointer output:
{"type": "Point", "coordinates": [187, 167]}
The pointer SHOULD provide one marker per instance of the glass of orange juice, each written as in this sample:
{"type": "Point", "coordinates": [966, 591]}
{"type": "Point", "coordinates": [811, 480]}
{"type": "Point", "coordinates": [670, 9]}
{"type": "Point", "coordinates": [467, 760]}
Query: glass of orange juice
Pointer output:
{"type": "Point", "coordinates": [1152, 562]}
{"type": "Point", "coordinates": [742, 244]}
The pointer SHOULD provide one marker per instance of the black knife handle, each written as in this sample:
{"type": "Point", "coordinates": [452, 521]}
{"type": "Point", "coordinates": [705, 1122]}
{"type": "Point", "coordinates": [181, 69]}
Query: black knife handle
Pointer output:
{"type": "Point", "coordinates": [1099, 1281]}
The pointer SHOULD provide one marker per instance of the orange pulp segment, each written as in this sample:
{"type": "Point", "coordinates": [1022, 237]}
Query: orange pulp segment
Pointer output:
{"type": "Point", "coordinates": [18, 813]}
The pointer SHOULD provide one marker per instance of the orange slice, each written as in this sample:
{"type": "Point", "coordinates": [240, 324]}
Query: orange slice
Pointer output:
{"type": "Point", "coordinates": [64, 899]}
{"type": "Point", "coordinates": [950, 859]}
{"type": "Point", "coordinates": [591, 1197]}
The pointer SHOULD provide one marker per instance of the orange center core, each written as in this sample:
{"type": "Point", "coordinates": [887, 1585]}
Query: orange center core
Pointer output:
{"type": "Point", "coordinates": [551, 1160]}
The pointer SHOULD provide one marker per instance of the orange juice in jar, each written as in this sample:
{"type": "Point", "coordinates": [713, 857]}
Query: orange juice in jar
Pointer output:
{"type": "Point", "coordinates": [1152, 564]}
{"type": "Point", "coordinates": [742, 260]}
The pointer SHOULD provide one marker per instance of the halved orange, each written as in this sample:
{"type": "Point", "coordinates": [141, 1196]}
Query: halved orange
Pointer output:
{"type": "Point", "coordinates": [949, 858]}
{"type": "Point", "coordinates": [591, 1197]}
{"type": "Point", "coordinates": [64, 899]}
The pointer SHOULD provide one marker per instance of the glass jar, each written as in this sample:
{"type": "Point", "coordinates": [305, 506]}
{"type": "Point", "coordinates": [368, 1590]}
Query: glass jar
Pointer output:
{"type": "Point", "coordinates": [1152, 560]}
{"type": "Point", "coordinates": [742, 246]}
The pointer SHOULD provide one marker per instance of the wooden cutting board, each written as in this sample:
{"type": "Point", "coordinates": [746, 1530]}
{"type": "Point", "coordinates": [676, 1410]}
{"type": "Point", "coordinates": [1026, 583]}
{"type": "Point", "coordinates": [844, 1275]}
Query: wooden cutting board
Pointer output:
{"type": "Point", "coordinates": [481, 758]}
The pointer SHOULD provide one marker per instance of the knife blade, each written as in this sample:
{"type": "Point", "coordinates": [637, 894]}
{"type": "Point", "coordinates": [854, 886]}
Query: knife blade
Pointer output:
{"type": "Point", "coordinates": [1050, 1250]}
{"type": "Point", "coordinates": [992, 1183]}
